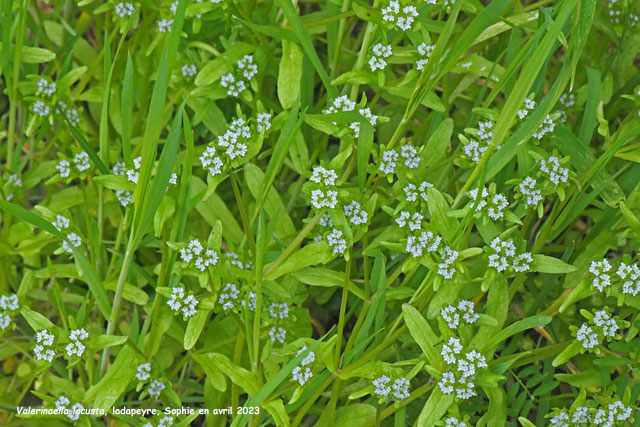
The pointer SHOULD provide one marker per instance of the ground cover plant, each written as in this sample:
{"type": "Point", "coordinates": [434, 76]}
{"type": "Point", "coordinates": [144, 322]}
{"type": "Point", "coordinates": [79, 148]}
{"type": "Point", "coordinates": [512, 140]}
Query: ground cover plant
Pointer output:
{"type": "Point", "coordinates": [331, 213]}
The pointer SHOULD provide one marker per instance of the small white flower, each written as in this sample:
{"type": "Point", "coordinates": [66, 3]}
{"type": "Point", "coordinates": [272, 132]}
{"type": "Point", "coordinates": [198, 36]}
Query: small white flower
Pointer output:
{"type": "Point", "coordinates": [447, 382]}
{"type": "Point", "coordinates": [522, 262]}
{"type": "Point", "coordinates": [528, 188]}
{"type": "Point", "coordinates": [410, 155]}
{"type": "Point", "coordinates": [164, 25]}
{"type": "Point", "coordinates": [402, 17]}
{"type": "Point", "coordinates": [75, 411]}
{"type": "Point", "coordinates": [587, 336]}
{"type": "Point", "coordinates": [143, 372]}
{"type": "Point", "coordinates": [426, 240]}
{"type": "Point", "coordinates": [600, 269]}
{"type": "Point", "coordinates": [381, 385]}
{"type": "Point", "coordinates": [547, 126]}
{"type": "Point", "coordinates": [61, 222]}
{"type": "Point", "coordinates": [400, 388]}
{"type": "Point", "coordinates": [209, 160]}
{"type": "Point", "coordinates": [450, 350]}
{"type": "Point", "coordinates": [454, 422]}
{"type": "Point", "coordinates": [9, 302]}
{"type": "Point", "coordinates": [229, 296]}
{"type": "Point", "coordinates": [155, 388]}
{"type": "Point", "coordinates": [308, 359]}
{"type": "Point", "coordinates": [560, 420]}
{"type": "Point", "coordinates": [552, 168]}
{"type": "Point", "coordinates": [123, 9]}
{"type": "Point", "coordinates": [323, 176]}
{"type": "Point", "coordinates": [189, 70]}
{"type": "Point", "coordinates": [248, 67]}
{"type": "Point", "coordinates": [279, 310]}
{"type": "Point", "coordinates": [425, 51]}
{"type": "Point", "coordinates": [72, 241]}
{"type": "Point", "coordinates": [124, 197]}
{"type": "Point", "coordinates": [388, 163]}
{"type": "Point", "coordinates": [337, 243]}
{"type": "Point", "coordinates": [568, 100]}
{"type": "Point", "coordinates": [302, 374]}
{"type": "Point", "coordinates": [234, 87]}
{"type": "Point", "coordinates": [355, 214]}
{"type": "Point", "coordinates": [43, 348]}
{"type": "Point", "coordinates": [46, 88]}
{"type": "Point", "coordinates": [450, 315]}
{"type": "Point", "coordinates": [166, 421]}
{"type": "Point", "coordinates": [62, 402]}
{"type": "Point", "coordinates": [581, 415]}
{"type": "Point", "coordinates": [81, 161]}
{"type": "Point", "coordinates": [264, 121]}
{"type": "Point", "coordinates": [324, 199]}
{"type": "Point", "coordinates": [41, 109]}
{"type": "Point", "coordinates": [380, 53]}
{"type": "Point", "coordinates": [180, 302]}
{"type": "Point", "coordinates": [277, 334]}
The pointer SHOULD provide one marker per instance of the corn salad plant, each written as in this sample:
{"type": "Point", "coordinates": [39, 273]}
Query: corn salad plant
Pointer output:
{"type": "Point", "coordinates": [320, 213]}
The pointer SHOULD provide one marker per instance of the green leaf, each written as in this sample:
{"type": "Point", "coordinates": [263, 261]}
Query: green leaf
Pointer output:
{"type": "Point", "coordinates": [110, 388]}
{"type": "Point", "coordinates": [584, 379]}
{"type": "Point", "coordinates": [422, 334]}
{"type": "Point", "coordinates": [36, 55]}
{"type": "Point", "coordinates": [437, 144]}
{"type": "Point", "coordinates": [354, 415]}
{"type": "Point", "coordinates": [194, 328]}
{"type": "Point", "coordinates": [325, 277]}
{"type": "Point", "coordinates": [435, 407]}
{"type": "Point", "coordinates": [514, 328]}
{"type": "Point", "coordinates": [438, 208]}
{"type": "Point", "coordinates": [547, 264]}
{"type": "Point", "coordinates": [315, 253]}
{"type": "Point", "coordinates": [237, 374]}
{"type": "Point", "coordinates": [289, 74]}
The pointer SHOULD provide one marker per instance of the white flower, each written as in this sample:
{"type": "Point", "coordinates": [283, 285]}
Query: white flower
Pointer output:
{"type": "Point", "coordinates": [119, 168]}
{"type": "Point", "coordinates": [426, 240]}
{"type": "Point", "coordinates": [402, 17]}
{"type": "Point", "coordinates": [155, 388]}
{"type": "Point", "coordinates": [475, 150]}
{"type": "Point", "coordinates": [529, 104]}
{"type": "Point", "coordinates": [166, 421]}
{"type": "Point", "coordinates": [324, 199]}
{"type": "Point", "coordinates": [380, 53]}
{"type": "Point", "coordinates": [72, 241]}
{"type": "Point", "coordinates": [209, 160]}
{"type": "Point", "coordinates": [450, 350]}
{"type": "Point", "coordinates": [164, 25]}
{"type": "Point", "coordinates": [5, 321]}
{"type": "Point", "coordinates": [568, 100]}
{"type": "Point", "coordinates": [302, 374]}
{"type": "Point", "coordinates": [9, 302]}
{"type": "Point", "coordinates": [279, 310]}
{"type": "Point", "coordinates": [425, 51]}
{"type": "Point", "coordinates": [560, 420]}
{"type": "Point", "coordinates": [485, 131]}
{"type": "Point", "coordinates": [631, 276]}
{"type": "Point", "coordinates": [410, 155]}
{"type": "Point", "coordinates": [252, 299]}
{"type": "Point", "coordinates": [465, 309]}
{"type": "Point", "coordinates": [123, 9]}
{"type": "Point", "coordinates": [308, 359]}
{"type": "Point", "coordinates": [41, 109]}
{"type": "Point", "coordinates": [75, 348]}
{"type": "Point", "coordinates": [264, 121]}
{"type": "Point", "coordinates": [454, 422]}
{"type": "Point", "coordinates": [277, 334]}
{"type": "Point", "coordinates": [189, 70]}
{"type": "Point", "coordinates": [581, 415]}
{"type": "Point", "coordinates": [415, 223]}
{"type": "Point", "coordinates": [124, 197]}
{"type": "Point", "coordinates": [143, 372]}
{"type": "Point", "coordinates": [600, 269]}
{"type": "Point", "coordinates": [412, 192]}
{"type": "Point", "coordinates": [81, 161]}
{"type": "Point", "coordinates": [180, 302]}
{"type": "Point", "coordinates": [75, 411]}
{"type": "Point", "coordinates": [43, 348]}
{"type": "Point", "coordinates": [234, 87]}
{"type": "Point", "coordinates": [547, 126]}
{"type": "Point", "coordinates": [445, 268]}
{"type": "Point", "coordinates": [528, 188]}
{"type": "Point", "coordinates": [323, 176]}
{"type": "Point", "coordinates": [341, 104]}
{"type": "Point", "coordinates": [62, 402]}
{"type": "Point", "coordinates": [587, 336]}
{"type": "Point", "coordinates": [355, 214]}
{"type": "Point", "coordinates": [400, 388]}
{"type": "Point", "coordinates": [451, 316]}
{"type": "Point", "coordinates": [249, 69]}
{"type": "Point", "coordinates": [522, 262]}
{"type": "Point", "coordinates": [229, 296]}
{"type": "Point", "coordinates": [388, 163]}
{"type": "Point", "coordinates": [381, 385]}
{"type": "Point", "coordinates": [551, 167]}
{"type": "Point", "coordinates": [447, 382]}
{"type": "Point", "coordinates": [61, 222]}
{"type": "Point", "coordinates": [46, 88]}
{"type": "Point", "coordinates": [72, 116]}
{"type": "Point", "coordinates": [337, 243]}
{"type": "Point", "coordinates": [326, 221]}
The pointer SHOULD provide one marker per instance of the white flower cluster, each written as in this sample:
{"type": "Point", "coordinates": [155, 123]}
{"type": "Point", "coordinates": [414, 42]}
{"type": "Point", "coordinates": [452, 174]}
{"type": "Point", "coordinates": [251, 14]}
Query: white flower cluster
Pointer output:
{"type": "Point", "coordinates": [464, 310]}
{"type": "Point", "coordinates": [529, 104]}
{"type": "Point", "coordinates": [229, 296]}
{"type": "Point", "coordinates": [8, 305]}
{"type": "Point", "coordinates": [398, 389]}
{"type": "Point", "coordinates": [380, 54]}
{"type": "Point", "coordinates": [389, 159]}
{"type": "Point", "coordinates": [412, 192]}
{"type": "Point", "coordinates": [189, 70]}
{"type": "Point", "coordinates": [630, 276]}
{"type": "Point", "coordinates": [343, 104]}
{"type": "Point", "coordinates": [166, 421]}
{"type": "Point", "coordinates": [302, 373]}
{"type": "Point", "coordinates": [491, 204]}
{"type": "Point", "coordinates": [413, 222]}
{"type": "Point", "coordinates": [337, 242]}
{"type": "Point", "coordinates": [155, 388]}
{"type": "Point", "coordinates": [233, 259]}
{"type": "Point", "coordinates": [603, 326]}
{"type": "Point", "coordinates": [76, 347]}
{"type": "Point", "coordinates": [547, 126]}
{"type": "Point", "coordinates": [600, 271]}
{"type": "Point", "coordinates": [70, 113]}
{"type": "Point", "coordinates": [250, 301]}
{"type": "Point", "coordinates": [324, 195]}
{"type": "Point", "coordinates": [181, 302]}
{"type": "Point", "coordinates": [41, 109]}
{"type": "Point", "coordinates": [423, 241]}
{"type": "Point", "coordinates": [164, 25]}
{"type": "Point", "coordinates": [277, 333]}
{"type": "Point", "coordinates": [551, 167]}
{"type": "Point", "coordinates": [355, 214]}
{"type": "Point", "coordinates": [45, 87]}
{"type": "Point", "coordinates": [402, 17]}
{"type": "Point", "coordinates": [460, 377]}
{"type": "Point", "coordinates": [61, 223]}
{"type": "Point", "coordinates": [13, 182]}
{"type": "Point", "coordinates": [568, 100]}
{"type": "Point", "coordinates": [44, 346]}
{"type": "Point", "coordinates": [279, 310]}
{"type": "Point", "coordinates": [446, 268]}
{"type": "Point", "coordinates": [123, 9]}
{"type": "Point", "coordinates": [454, 422]}
{"type": "Point", "coordinates": [505, 256]}
{"type": "Point", "coordinates": [425, 51]}
{"type": "Point", "coordinates": [264, 121]}
{"type": "Point", "coordinates": [613, 415]}
{"type": "Point", "coordinates": [530, 191]}
{"type": "Point", "coordinates": [232, 144]}
{"type": "Point", "coordinates": [235, 85]}
{"type": "Point", "coordinates": [73, 412]}
{"type": "Point", "coordinates": [134, 174]}
{"type": "Point", "coordinates": [196, 256]}
{"type": "Point", "coordinates": [143, 372]}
